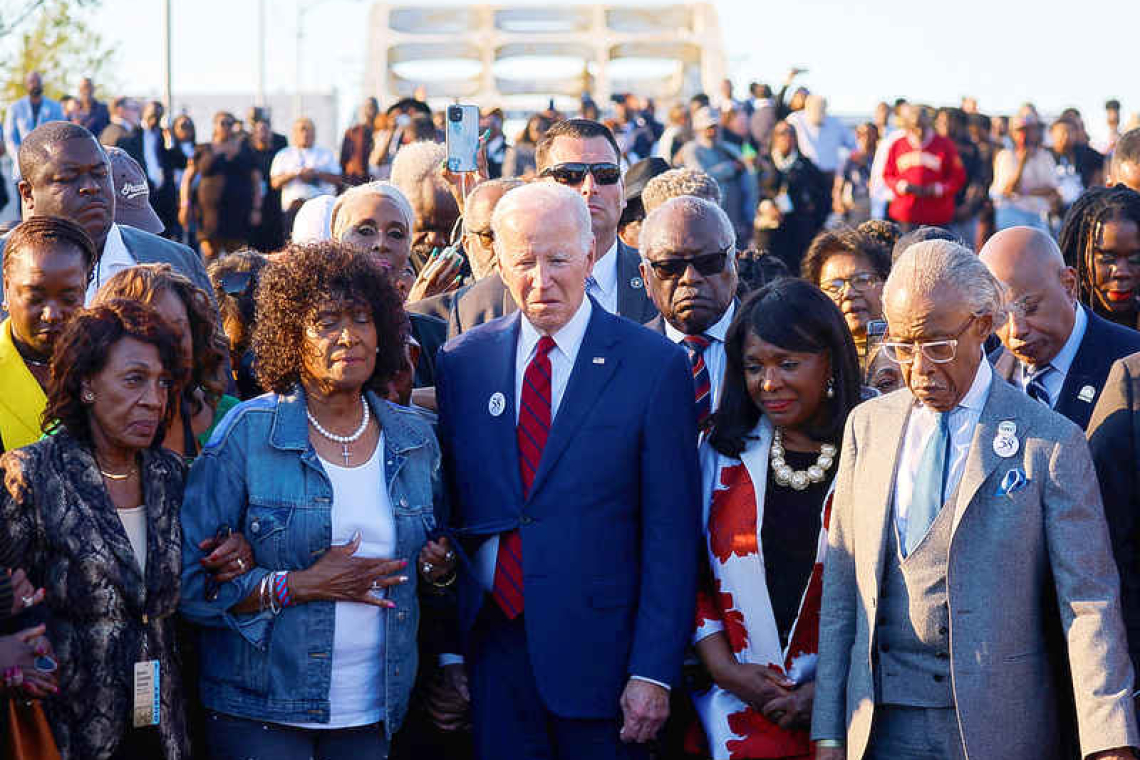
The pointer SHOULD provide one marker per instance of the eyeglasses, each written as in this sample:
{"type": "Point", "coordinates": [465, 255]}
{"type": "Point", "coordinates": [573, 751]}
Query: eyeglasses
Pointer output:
{"type": "Point", "coordinates": [707, 264]}
{"type": "Point", "coordinates": [936, 351]}
{"type": "Point", "coordinates": [575, 173]}
{"type": "Point", "coordinates": [861, 282]}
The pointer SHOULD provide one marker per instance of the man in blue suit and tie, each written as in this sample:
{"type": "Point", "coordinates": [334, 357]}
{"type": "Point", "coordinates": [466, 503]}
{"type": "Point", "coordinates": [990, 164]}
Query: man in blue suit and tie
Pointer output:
{"type": "Point", "coordinates": [568, 437]}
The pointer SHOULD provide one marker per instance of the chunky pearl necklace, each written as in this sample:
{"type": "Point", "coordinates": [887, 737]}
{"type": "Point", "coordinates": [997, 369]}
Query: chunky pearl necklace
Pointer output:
{"type": "Point", "coordinates": [343, 440]}
{"type": "Point", "coordinates": [798, 479]}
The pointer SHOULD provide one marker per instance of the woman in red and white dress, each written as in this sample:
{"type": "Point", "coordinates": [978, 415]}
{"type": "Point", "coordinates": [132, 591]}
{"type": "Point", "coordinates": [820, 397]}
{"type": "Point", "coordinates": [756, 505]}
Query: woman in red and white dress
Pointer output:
{"type": "Point", "coordinates": [791, 378]}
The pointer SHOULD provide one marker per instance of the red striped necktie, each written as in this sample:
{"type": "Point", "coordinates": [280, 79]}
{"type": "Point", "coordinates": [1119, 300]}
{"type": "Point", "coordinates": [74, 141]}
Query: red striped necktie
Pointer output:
{"type": "Point", "coordinates": [702, 384]}
{"type": "Point", "coordinates": [533, 430]}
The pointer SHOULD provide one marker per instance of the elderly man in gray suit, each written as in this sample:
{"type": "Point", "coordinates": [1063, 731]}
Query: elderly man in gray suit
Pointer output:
{"type": "Point", "coordinates": [66, 173]}
{"type": "Point", "coordinates": [965, 516]}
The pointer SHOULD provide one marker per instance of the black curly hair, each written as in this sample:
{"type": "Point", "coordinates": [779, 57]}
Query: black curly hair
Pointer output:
{"type": "Point", "coordinates": [292, 289]}
{"type": "Point", "coordinates": [844, 240]}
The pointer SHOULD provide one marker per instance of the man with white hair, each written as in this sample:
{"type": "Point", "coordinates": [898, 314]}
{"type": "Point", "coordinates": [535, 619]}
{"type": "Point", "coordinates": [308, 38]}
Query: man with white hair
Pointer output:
{"type": "Point", "coordinates": [568, 445]}
{"type": "Point", "coordinates": [966, 525]}
{"type": "Point", "coordinates": [688, 262]}
{"type": "Point", "coordinates": [1056, 350]}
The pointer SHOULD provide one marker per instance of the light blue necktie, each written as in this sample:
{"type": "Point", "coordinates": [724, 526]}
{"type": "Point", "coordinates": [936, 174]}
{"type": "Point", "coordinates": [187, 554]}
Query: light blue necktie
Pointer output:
{"type": "Point", "coordinates": [929, 484]}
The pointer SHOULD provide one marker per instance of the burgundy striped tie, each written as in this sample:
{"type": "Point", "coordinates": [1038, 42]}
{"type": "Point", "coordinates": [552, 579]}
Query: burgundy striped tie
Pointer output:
{"type": "Point", "coordinates": [702, 384]}
{"type": "Point", "coordinates": [533, 430]}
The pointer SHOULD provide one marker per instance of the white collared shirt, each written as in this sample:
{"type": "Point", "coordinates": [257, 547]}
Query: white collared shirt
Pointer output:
{"type": "Point", "coordinates": [604, 285]}
{"type": "Point", "coordinates": [714, 354]}
{"type": "Point", "coordinates": [567, 341]}
{"type": "Point", "coordinates": [115, 258]}
{"type": "Point", "coordinates": [922, 424]}
{"type": "Point", "coordinates": [1061, 363]}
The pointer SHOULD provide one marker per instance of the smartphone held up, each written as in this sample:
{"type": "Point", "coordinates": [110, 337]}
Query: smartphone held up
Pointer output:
{"type": "Point", "coordinates": [462, 138]}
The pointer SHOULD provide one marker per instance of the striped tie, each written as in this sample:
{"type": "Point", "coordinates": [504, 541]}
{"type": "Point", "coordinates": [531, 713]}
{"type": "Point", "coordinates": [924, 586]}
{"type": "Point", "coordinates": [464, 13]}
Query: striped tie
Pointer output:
{"type": "Point", "coordinates": [702, 385]}
{"type": "Point", "coordinates": [1036, 387]}
{"type": "Point", "coordinates": [533, 430]}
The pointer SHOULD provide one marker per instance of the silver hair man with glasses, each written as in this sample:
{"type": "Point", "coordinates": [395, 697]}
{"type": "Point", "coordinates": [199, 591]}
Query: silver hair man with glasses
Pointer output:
{"type": "Point", "coordinates": [966, 517]}
{"type": "Point", "coordinates": [688, 262]}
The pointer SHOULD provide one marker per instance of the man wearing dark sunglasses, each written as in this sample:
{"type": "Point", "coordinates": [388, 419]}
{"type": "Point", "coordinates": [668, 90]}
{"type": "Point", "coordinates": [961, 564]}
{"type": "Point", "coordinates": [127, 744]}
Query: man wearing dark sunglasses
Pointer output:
{"type": "Point", "coordinates": [583, 155]}
{"type": "Point", "coordinates": [688, 262]}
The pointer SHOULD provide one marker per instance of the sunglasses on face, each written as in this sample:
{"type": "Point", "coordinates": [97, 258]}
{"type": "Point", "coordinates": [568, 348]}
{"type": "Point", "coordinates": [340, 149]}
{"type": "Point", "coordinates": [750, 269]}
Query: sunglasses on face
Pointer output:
{"type": "Point", "coordinates": [707, 264]}
{"type": "Point", "coordinates": [575, 173]}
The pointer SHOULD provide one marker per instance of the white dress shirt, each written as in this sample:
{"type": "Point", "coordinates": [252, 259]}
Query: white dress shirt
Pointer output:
{"type": "Point", "coordinates": [922, 424]}
{"type": "Point", "coordinates": [603, 287]}
{"type": "Point", "coordinates": [115, 258]}
{"type": "Point", "coordinates": [1061, 363]}
{"type": "Point", "coordinates": [714, 354]}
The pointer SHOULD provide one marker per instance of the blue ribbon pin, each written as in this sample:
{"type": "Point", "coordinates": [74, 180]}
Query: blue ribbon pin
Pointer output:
{"type": "Point", "coordinates": [1013, 482]}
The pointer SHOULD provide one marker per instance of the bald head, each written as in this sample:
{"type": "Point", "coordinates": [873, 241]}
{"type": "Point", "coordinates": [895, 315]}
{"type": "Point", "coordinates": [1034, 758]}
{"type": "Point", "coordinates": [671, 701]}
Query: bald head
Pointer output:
{"type": "Point", "coordinates": [1021, 252]}
{"type": "Point", "coordinates": [1040, 291]}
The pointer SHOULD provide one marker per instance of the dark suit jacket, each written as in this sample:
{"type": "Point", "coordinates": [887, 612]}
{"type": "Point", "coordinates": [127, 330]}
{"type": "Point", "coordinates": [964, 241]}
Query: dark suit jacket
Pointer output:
{"type": "Point", "coordinates": [1114, 437]}
{"type": "Point", "coordinates": [437, 306]}
{"type": "Point", "coordinates": [489, 298]}
{"type": "Point", "coordinates": [129, 140]}
{"type": "Point", "coordinates": [430, 332]}
{"type": "Point", "coordinates": [610, 528]}
{"type": "Point", "coordinates": [1104, 343]}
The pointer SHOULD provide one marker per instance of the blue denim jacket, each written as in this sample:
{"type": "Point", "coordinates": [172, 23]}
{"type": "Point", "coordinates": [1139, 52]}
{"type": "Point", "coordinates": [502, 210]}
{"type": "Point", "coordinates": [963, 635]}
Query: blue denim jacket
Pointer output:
{"type": "Point", "coordinates": [259, 475]}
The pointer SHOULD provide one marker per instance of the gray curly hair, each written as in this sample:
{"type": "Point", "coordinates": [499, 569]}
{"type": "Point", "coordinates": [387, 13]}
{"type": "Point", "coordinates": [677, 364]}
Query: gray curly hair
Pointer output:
{"type": "Point", "coordinates": [677, 182]}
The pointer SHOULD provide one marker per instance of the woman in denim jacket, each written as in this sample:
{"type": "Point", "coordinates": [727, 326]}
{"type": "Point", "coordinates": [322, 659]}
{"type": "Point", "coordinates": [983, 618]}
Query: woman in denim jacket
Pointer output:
{"type": "Point", "coordinates": [312, 652]}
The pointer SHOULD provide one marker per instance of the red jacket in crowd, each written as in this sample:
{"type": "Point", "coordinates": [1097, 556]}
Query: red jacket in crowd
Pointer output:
{"type": "Point", "coordinates": [934, 165]}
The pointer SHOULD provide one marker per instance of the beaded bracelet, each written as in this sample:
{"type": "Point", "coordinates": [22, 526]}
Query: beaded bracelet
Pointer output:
{"type": "Point", "coordinates": [281, 591]}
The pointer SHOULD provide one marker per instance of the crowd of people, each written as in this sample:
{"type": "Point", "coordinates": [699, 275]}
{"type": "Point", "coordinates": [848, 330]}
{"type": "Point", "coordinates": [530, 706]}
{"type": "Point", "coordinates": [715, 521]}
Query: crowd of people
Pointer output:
{"type": "Point", "coordinates": [747, 436]}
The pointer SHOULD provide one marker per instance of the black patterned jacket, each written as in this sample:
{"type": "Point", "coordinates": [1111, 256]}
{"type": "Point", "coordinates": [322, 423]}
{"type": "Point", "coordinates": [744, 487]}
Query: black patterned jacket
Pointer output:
{"type": "Point", "coordinates": [64, 531]}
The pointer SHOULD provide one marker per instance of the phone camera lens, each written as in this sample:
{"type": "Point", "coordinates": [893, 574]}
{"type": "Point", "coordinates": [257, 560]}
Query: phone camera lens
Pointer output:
{"type": "Point", "coordinates": [454, 113]}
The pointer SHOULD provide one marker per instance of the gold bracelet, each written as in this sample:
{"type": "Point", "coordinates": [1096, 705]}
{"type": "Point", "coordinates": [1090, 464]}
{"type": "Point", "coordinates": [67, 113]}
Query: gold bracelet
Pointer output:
{"type": "Point", "coordinates": [829, 743]}
{"type": "Point", "coordinates": [448, 582]}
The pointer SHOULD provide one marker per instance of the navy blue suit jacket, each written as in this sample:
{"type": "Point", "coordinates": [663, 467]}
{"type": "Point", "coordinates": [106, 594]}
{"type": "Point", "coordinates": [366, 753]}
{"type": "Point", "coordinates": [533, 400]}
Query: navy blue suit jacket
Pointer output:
{"type": "Point", "coordinates": [611, 527]}
{"type": "Point", "coordinates": [1103, 343]}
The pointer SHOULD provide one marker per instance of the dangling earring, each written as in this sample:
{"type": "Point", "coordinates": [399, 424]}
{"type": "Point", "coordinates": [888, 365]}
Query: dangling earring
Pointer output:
{"type": "Point", "coordinates": [831, 387]}
{"type": "Point", "coordinates": [88, 397]}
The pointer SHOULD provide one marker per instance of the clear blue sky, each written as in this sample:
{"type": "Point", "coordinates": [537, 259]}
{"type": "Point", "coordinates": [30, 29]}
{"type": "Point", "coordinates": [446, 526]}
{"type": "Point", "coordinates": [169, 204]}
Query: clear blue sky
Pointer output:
{"type": "Point", "coordinates": [1003, 52]}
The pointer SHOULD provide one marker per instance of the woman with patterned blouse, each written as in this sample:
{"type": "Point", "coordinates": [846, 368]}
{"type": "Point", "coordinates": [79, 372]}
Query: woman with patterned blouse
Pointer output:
{"type": "Point", "coordinates": [791, 378]}
{"type": "Point", "coordinates": [92, 513]}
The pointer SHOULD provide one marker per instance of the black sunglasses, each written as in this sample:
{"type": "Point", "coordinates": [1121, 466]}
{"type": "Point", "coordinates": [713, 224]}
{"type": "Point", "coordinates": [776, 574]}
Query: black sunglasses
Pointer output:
{"type": "Point", "coordinates": [707, 264]}
{"type": "Point", "coordinates": [236, 283]}
{"type": "Point", "coordinates": [575, 173]}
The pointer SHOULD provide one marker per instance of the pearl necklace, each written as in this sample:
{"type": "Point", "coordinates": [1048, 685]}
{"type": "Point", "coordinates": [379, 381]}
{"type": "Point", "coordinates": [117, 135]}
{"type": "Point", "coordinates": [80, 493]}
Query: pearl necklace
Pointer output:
{"type": "Point", "coordinates": [798, 479]}
{"type": "Point", "coordinates": [343, 440]}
